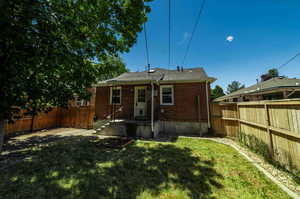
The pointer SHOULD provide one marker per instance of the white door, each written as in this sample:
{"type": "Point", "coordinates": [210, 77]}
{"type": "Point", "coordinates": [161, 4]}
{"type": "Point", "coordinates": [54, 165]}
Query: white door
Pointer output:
{"type": "Point", "coordinates": [140, 102]}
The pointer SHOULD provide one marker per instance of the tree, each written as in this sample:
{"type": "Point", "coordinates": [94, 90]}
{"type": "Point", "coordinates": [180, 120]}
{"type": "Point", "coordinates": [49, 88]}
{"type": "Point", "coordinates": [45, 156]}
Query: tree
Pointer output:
{"type": "Point", "coordinates": [234, 86]}
{"type": "Point", "coordinates": [47, 48]}
{"type": "Point", "coordinates": [273, 72]}
{"type": "Point", "coordinates": [111, 67]}
{"type": "Point", "coordinates": [217, 92]}
{"type": "Point", "coordinates": [270, 74]}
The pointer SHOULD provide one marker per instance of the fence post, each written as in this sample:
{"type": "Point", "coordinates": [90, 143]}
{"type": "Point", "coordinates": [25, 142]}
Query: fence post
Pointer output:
{"type": "Point", "coordinates": [268, 128]}
{"type": "Point", "coordinates": [238, 120]}
{"type": "Point", "coordinates": [32, 123]}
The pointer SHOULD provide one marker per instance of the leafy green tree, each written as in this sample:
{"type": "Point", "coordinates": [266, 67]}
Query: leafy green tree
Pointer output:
{"type": "Point", "coordinates": [273, 72]}
{"type": "Point", "coordinates": [47, 48]}
{"type": "Point", "coordinates": [234, 86]}
{"type": "Point", "coordinates": [270, 74]}
{"type": "Point", "coordinates": [217, 92]}
{"type": "Point", "coordinates": [111, 67]}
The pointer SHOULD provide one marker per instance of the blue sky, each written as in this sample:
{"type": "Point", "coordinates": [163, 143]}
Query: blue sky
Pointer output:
{"type": "Point", "coordinates": [266, 34]}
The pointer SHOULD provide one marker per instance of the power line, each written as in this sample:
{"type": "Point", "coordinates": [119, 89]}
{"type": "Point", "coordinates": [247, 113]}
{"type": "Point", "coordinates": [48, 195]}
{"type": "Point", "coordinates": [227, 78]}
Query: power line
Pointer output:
{"type": "Point", "coordinates": [169, 63]}
{"type": "Point", "coordinates": [193, 32]}
{"type": "Point", "coordinates": [288, 61]}
{"type": "Point", "coordinates": [146, 42]}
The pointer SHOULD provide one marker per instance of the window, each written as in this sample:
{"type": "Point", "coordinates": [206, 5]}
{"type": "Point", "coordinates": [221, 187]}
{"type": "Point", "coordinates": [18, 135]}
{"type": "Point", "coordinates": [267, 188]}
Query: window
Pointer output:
{"type": "Point", "coordinates": [141, 95]}
{"type": "Point", "coordinates": [166, 95]}
{"type": "Point", "coordinates": [115, 95]}
{"type": "Point", "coordinates": [80, 102]}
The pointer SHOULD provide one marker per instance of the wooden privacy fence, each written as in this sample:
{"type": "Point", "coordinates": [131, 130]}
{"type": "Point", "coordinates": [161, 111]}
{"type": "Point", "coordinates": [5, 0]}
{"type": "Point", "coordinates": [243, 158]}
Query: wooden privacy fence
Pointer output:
{"type": "Point", "coordinates": [76, 117]}
{"type": "Point", "coordinates": [268, 127]}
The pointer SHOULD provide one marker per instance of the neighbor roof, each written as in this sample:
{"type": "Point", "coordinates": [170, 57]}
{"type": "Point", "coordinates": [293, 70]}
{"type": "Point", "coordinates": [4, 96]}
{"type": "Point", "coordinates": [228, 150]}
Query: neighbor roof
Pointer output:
{"type": "Point", "coordinates": [271, 84]}
{"type": "Point", "coordinates": [162, 75]}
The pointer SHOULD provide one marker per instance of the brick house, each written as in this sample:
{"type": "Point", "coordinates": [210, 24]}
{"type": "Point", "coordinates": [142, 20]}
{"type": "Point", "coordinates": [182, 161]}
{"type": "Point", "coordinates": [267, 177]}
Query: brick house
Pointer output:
{"type": "Point", "coordinates": [156, 101]}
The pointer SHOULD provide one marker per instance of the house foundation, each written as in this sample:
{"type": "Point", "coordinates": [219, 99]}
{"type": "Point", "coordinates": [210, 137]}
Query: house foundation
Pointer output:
{"type": "Point", "coordinates": [182, 128]}
{"type": "Point", "coordinates": [143, 128]}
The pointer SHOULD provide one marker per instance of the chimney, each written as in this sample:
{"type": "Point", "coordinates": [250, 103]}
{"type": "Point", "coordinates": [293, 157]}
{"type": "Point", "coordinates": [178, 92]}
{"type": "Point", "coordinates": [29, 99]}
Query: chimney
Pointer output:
{"type": "Point", "coordinates": [181, 68]}
{"type": "Point", "coordinates": [178, 68]}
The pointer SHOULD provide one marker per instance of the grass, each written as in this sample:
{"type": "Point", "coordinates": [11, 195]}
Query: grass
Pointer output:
{"type": "Point", "coordinates": [262, 149]}
{"type": "Point", "coordinates": [84, 167]}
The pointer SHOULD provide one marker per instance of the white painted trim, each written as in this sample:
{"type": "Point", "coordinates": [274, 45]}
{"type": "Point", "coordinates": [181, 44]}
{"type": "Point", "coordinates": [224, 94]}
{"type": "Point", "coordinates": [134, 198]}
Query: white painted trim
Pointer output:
{"type": "Point", "coordinates": [135, 99]}
{"type": "Point", "coordinates": [110, 97]}
{"type": "Point", "coordinates": [109, 83]}
{"type": "Point", "coordinates": [161, 88]}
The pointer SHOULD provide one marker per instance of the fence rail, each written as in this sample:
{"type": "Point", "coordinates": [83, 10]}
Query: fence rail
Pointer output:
{"type": "Point", "coordinates": [76, 117]}
{"type": "Point", "coordinates": [269, 127]}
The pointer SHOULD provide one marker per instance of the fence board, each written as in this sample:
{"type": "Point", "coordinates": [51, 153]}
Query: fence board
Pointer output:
{"type": "Point", "coordinates": [75, 117]}
{"type": "Point", "coordinates": [272, 125]}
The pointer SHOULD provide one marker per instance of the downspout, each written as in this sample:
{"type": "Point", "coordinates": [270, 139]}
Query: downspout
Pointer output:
{"type": "Point", "coordinates": [152, 109]}
{"type": "Point", "coordinates": [207, 103]}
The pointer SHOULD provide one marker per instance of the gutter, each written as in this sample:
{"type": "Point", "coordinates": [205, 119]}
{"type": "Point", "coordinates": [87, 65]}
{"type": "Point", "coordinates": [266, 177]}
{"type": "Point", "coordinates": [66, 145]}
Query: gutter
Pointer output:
{"type": "Point", "coordinates": [152, 109]}
{"type": "Point", "coordinates": [161, 80]}
{"type": "Point", "coordinates": [207, 104]}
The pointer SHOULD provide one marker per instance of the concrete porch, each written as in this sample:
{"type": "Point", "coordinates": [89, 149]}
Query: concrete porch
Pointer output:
{"type": "Point", "coordinates": [129, 128]}
{"type": "Point", "coordinates": [136, 128]}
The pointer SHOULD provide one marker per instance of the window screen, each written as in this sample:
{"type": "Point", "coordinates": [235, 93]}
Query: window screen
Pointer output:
{"type": "Point", "coordinates": [167, 95]}
{"type": "Point", "coordinates": [141, 95]}
{"type": "Point", "coordinates": [116, 96]}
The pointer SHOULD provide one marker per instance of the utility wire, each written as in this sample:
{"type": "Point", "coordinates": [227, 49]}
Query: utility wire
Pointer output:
{"type": "Point", "coordinates": [169, 62]}
{"type": "Point", "coordinates": [193, 32]}
{"type": "Point", "coordinates": [146, 42]}
{"type": "Point", "coordinates": [288, 61]}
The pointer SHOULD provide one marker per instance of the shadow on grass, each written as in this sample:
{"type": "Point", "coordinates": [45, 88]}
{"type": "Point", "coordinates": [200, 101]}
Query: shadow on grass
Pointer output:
{"type": "Point", "coordinates": [85, 167]}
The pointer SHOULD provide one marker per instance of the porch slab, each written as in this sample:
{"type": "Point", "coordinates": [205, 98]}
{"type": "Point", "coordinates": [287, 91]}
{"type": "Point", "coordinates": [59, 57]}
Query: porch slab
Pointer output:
{"type": "Point", "coordinates": [134, 128]}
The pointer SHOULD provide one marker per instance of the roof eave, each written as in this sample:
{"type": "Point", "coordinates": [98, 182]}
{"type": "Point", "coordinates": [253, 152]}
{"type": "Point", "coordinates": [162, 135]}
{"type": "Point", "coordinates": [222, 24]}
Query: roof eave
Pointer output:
{"type": "Point", "coordinates": [120, 82]}
{"type": "Point", "coordinates": [255, 92]}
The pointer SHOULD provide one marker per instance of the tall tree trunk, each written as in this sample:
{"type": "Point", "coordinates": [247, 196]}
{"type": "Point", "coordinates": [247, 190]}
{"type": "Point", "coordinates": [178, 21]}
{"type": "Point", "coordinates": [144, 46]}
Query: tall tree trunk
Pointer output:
{"type": "Point", "coordinates": [2, 131]}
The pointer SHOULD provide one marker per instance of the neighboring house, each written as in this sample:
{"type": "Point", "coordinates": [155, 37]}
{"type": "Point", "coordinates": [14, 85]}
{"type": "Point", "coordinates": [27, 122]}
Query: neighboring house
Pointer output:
{"type": "Point", "coordinates": [84, 103]}
{"type": "Point", "coordinates": [272, 89]}
{"type": "Point", "coordinates": [158, 100]}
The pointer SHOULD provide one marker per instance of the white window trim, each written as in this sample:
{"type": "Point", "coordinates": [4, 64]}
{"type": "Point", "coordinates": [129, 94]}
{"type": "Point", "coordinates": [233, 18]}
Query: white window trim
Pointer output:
{"type": "Point", "coordinates": [80, 102]}
{"type": "Point", "coordinates": [161, 88]}
{"type": "Point", "coordinates": [115, 88]}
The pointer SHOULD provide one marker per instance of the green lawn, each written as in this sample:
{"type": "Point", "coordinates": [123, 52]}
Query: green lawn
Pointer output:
{"type": "Point", "coordinates": [86, 167]}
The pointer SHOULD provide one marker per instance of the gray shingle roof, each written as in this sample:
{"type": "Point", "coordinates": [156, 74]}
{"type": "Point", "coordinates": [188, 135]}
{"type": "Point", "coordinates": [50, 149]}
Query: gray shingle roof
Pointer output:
{"type": "Point", "coordinates": [274, 83]}
{"type": "Point", "coordinates": [160, 74]}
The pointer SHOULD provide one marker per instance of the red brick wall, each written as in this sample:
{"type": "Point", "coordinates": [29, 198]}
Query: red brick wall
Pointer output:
{"type": "Point", "coordinates": [105, 109]}
{"type": "Point", "coordinates": [185, 106]}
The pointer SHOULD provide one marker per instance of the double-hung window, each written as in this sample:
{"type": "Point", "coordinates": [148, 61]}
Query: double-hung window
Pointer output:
{"type": "Point", "coordinates": [167, 95]}
{"type": "Point", "coordinates": [80, 102]}
{"type": "Point", "coordinates": [115, 95]}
